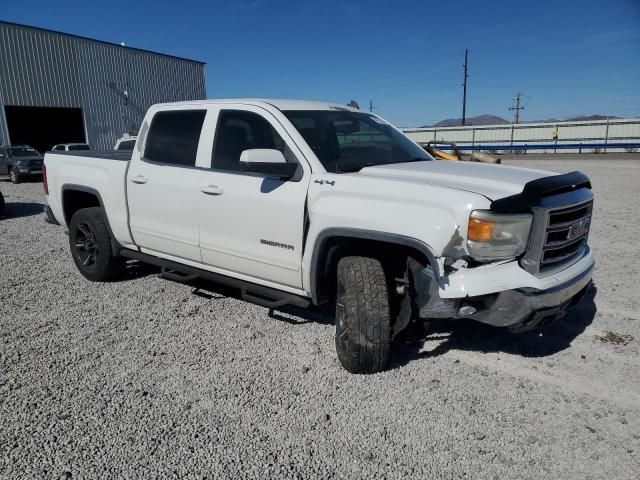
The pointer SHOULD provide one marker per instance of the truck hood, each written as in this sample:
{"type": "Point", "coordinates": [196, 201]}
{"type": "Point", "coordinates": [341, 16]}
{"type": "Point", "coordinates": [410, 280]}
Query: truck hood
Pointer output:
{"type": "Point", "coordinates": [491, 181]}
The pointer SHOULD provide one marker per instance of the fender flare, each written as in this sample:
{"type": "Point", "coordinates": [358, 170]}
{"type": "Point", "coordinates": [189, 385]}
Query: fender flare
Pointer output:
{"type": "Point", "coordinates": [363, 234]}
{"type": "Point", "coordinates": [115, 246]}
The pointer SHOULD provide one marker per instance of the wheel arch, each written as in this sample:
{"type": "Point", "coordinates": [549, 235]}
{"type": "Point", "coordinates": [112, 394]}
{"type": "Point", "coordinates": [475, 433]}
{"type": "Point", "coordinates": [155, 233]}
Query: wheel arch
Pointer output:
{"type": "Point", "coordinates": [75, 197]}
{"type": "Point", "coordinates": [333, 243]}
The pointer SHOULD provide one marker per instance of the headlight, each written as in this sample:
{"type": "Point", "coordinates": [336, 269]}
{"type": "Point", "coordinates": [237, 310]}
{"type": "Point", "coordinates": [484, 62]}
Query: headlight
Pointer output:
{"type": "Point", "coordinates": [492, 236]}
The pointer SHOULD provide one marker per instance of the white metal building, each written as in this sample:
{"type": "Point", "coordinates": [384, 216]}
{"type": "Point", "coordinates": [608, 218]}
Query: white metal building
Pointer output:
{"type": "Point", "coordinates": [59, 88]}
{"type": "Point", "coordinates": [575, 136]}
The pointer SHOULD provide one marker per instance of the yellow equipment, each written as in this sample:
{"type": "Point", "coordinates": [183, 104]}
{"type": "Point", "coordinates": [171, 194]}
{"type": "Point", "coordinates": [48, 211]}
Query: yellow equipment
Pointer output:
{"type": "Point", "coordinates": [456, 155]}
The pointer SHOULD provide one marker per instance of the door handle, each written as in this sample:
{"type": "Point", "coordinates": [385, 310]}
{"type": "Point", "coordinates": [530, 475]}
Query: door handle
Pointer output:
{"type": "Point", "coordinates": [139, 179]}
{"type": "Point", "coordinates": [211, 190]}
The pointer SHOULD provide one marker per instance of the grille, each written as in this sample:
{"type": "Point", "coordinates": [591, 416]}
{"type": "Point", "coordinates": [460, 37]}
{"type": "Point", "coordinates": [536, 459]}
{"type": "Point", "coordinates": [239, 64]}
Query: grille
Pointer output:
{"type": "Point", "coordinates": [35, 163]}
{"type": "Point", "coordinates": [566, 236]}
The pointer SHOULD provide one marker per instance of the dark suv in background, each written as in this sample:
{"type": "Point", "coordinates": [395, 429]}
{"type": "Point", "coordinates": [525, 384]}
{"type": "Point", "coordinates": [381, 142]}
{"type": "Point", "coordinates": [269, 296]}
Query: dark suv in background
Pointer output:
{"type": "Point", "coordinates": [20, 162]}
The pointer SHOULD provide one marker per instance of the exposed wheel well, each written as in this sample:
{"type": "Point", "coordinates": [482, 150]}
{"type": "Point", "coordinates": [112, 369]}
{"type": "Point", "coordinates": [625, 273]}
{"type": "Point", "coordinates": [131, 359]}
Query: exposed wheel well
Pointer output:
{"type": "Point", "coordinates": [74, 200]}
{"type": "Point", "coordinates": [393, 257]}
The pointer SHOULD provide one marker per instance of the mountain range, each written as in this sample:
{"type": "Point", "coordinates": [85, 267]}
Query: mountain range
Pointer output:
{"type": "Point", "coordinates": [496, 120]}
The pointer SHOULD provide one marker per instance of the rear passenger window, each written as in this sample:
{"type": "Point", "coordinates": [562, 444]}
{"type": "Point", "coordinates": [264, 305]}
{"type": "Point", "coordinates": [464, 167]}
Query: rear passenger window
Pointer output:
{"type": "Point", "coordinates": [173, 137]}
{"type": "Point", "coordinates": [238, 131]}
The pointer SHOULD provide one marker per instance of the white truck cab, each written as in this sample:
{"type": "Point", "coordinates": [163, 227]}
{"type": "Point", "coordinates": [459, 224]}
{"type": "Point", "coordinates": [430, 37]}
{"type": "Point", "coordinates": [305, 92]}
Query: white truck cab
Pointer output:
{"type": "Point", "coordinates": [297, 202]}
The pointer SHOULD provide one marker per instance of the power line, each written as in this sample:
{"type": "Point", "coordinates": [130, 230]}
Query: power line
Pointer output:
{"type": "Point", "coordinates": [464, 88]}
{"type": "Point", "coordinates": [516, 107]}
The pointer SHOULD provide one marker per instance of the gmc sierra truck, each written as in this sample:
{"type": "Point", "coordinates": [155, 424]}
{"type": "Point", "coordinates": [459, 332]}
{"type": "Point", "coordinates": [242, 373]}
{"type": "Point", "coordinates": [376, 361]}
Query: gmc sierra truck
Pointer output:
{"type": "Point", "coordinates": [307, 203]}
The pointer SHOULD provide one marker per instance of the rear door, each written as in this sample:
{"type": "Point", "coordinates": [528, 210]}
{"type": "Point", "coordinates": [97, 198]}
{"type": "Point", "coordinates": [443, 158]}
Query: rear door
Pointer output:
{"type": "Point", "coordinates": [163, 185]}
{"type": "Point", "coordinates": [252, 225]}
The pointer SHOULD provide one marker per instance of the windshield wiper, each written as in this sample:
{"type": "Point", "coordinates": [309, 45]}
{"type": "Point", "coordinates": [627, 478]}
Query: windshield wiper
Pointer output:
{"type": "Point", "coordinates": [417, 159]}
{"type": "Point", "coordinates": [370, 164]}
{"type": "Point", "coordinates": [357, 169]}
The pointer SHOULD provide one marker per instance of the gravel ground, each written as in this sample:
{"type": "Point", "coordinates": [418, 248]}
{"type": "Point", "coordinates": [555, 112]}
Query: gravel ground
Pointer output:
{"type": "Point", "coordinates": [143, 379]}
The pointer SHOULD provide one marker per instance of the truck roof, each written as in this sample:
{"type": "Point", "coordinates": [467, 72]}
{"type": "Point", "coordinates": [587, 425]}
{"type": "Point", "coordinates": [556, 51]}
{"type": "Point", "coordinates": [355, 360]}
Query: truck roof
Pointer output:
{"type": "Point", "coordinates": [280, 104]}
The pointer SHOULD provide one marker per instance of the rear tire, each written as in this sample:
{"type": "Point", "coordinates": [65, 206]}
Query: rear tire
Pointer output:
{"type": "Point", "coordinates": [14, 175]}
{"type": "Point", "coordinates": [363, 315]}
{"type": "Point", "coordinates": [90, 243]}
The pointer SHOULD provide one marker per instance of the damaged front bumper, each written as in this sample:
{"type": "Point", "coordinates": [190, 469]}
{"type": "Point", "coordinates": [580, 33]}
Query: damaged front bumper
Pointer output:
{"type": "Point", "coordinates": [503, 295]}
{"type": "Point", "coordinates": [524, 309]}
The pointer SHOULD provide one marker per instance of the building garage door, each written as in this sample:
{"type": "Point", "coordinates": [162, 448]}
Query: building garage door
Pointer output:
{"type": "Point", "coordinates": [43, 127]}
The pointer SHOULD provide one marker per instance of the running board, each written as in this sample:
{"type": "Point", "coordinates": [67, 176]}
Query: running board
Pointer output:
{"type": "Point", "coordinates": [250, 292]}
{"type": "Point", "coordinates": [179, 277]}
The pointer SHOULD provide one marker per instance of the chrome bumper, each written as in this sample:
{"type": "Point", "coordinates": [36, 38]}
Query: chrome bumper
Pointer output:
{"type": "Point", "coordinates": [28, 170]}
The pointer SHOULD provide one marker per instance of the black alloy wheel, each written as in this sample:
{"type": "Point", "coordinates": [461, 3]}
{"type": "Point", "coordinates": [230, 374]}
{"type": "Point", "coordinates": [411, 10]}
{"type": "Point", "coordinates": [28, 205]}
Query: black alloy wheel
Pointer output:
{"type": "Point", "coordinates": [86, 247]}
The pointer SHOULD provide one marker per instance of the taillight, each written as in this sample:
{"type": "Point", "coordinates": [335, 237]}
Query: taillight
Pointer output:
{"type": "Point", "coordinates": [44, 179]}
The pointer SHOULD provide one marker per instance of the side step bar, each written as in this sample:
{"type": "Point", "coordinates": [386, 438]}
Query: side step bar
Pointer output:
{"type": "Point", "coordinates": [177, 276]}
{"type": "Point", "coordinates": [250, 292]}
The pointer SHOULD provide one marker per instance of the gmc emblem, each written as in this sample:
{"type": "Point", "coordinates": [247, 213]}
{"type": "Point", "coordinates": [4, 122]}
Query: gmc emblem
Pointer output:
{"type": "Point", "coordinates": [579, 228]}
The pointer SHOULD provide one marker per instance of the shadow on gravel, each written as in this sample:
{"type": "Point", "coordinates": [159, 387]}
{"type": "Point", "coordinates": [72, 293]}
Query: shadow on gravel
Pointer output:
{"type": "Point", "coordinates": [30, 179]}
{"type": "Point", "coordinates": [472, 336]}
{"type": "Point", "coordinates": [300, 316]}
{"type": "Point", "coordinates": [24, 209]}
{"type": "Point", "coordinates": [135, 270]}
{"type": "Point", "coordinates": [288, 313]}
{"type": "Point", "coordinates": [441, 337]}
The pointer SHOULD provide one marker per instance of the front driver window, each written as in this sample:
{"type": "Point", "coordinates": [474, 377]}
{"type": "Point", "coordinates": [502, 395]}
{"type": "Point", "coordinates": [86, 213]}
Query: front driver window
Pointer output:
{"type": "Point", "coordinates": [241, 130]}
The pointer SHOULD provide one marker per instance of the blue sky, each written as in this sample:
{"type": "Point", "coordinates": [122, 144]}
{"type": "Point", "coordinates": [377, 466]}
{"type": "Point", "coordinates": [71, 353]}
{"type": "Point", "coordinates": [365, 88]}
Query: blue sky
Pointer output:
{"type": "Point", "coordinates": [568, 57]}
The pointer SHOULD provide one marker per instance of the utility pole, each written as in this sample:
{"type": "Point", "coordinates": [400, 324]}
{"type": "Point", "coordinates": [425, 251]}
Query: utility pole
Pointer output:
{"type": "Point", "coordinates": [371, 107]}
{"type": "Point", "coordinates": [516, 107]}
{"type": "Point", "coordinates": [464, 88]}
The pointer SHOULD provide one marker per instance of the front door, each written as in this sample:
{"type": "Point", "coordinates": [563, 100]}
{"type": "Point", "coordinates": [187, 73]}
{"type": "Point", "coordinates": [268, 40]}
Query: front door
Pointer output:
{"type": "Point", "coordinates": [252, 225]}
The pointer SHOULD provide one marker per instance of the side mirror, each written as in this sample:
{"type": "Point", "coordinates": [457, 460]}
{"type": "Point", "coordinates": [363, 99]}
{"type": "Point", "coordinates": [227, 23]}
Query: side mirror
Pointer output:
{"type": "Point", "coordinates": [267, 161]}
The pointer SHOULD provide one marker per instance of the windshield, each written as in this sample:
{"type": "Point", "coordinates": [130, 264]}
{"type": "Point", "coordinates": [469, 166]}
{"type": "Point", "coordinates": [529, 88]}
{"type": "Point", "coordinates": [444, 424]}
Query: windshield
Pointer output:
{"type": "Point", "coordinates": [346, 141]}
{"type": "Point", "coordinates": [22, 152]}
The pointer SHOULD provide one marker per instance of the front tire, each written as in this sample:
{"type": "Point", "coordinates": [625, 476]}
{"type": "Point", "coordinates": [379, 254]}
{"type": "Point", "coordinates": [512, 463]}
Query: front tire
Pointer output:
{"type": "Point", "coordinates": [363, 315]}
{"type": "Point", "coordinates": [14, 176]}
{"type": "Point", "coordinates": [2, 206]}
{"type": "Point", "coordinates": [90, 243]}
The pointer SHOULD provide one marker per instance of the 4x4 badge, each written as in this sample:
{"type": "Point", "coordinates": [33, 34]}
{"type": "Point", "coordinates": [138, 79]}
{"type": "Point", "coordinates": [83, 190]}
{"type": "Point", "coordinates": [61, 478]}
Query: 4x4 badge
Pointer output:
{"type": "Point", "coordinates": [326, 182]}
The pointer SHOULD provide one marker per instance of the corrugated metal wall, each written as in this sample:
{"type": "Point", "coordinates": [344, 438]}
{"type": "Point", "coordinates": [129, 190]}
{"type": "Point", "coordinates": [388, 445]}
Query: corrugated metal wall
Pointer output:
{"type": "Point", "coordinates": [41, 68]}
{"type": "Point", "coordinates": [600, 132]}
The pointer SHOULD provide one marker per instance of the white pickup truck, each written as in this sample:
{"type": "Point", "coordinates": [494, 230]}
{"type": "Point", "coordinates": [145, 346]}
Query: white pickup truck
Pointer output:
{"type": "Point", "coordinates": [296, 202]}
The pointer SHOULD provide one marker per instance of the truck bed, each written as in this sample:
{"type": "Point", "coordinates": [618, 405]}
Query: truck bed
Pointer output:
{"type": "Point", "coordinates": [100, 173]}
{"type": "Point", "coordinates": [120, 155]}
